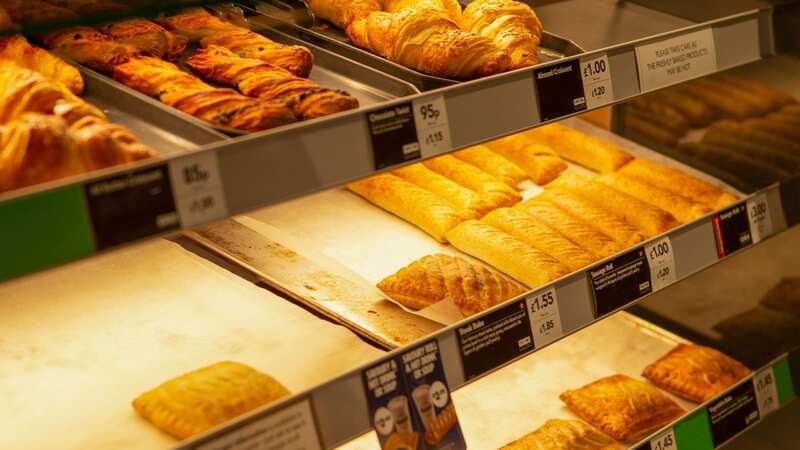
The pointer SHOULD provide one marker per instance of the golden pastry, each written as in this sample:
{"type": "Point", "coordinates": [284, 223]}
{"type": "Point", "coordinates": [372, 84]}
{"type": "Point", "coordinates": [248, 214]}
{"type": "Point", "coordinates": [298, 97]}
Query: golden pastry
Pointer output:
{"type": "Point", "coordinates": [469, 176]}
{"type": "Point", "coordinates": [471, 204]}
{"type": "Point", "coordinates": [682, 208]}
{"type": "Point", "coordinates": [538, 160]}
{"type": "Point", "coordinates": [343, 12]}
{"type": "Point", "coordinates": [204, 398]}
{"type": "Point", "coordinates": [695, 372]}
{"type": "Point", "coordinates": [561, 434]}
{"type": "Point", "coordinates": [510, 24]}
{"type": "Point", "coordinates": [445, 420]}
{"type": "Point", "coordinates": [577, 146]}
{"type": "Point", "coordinates": [451, 7]}
{"type": "Point", "coordinates": [17, 49]}
{"type": "Point", "coordinates": [433, 278]}
{"type": "Point", "coordinates": [624, 408]}
{"type": "Point", "coordinates": [492, 163]}
{"type": "Point", "coordinates": [506, 253]}
{"type": "Point", "coordinates": [429, 212]}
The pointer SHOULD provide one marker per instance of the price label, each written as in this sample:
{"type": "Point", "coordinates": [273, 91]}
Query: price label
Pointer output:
{"type": "Point", "coordinates": [291, 428]}
{"type": "Point", "coordinates": [131, 206]}
{"type": "Point", "coordinates": [766, 391]}
{"type": "Point", "coordinates": [620, 281]}
{"type": "Point", "coordinates": [661, 260]}
{"type": "Point", "coordinates": [733, 413]}
{"type": "Point", "coordinates": [597, 85]}
{"type": "Point", "coordinates": [732, 229]}
{"type": "Point", "coordinates": [677, 59]}
{"type": "Point", "coordinates": [545, 317]}
{"type": "Point", "coordinates": [759, 218]}
{"type": "Point", "coordinates": [559, 88]}
{"type": "Point", "coordinates": [664, 441]}
{"type": "Point", "coordinates": [197, 185]}
{"type": "Point", "coordinates": [433, 127]}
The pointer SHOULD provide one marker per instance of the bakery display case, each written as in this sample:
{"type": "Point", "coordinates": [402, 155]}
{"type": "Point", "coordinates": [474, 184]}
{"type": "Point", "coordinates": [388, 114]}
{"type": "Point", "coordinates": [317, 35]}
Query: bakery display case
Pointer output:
{"type": "Point", "coordinates": [415, 224]}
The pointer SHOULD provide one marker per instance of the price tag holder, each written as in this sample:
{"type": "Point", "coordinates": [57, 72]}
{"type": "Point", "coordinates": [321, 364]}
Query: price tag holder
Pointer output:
{"type": "Point", "coordinates": [766, 392]}
{"type": "Point", "coordinates": [197, 186]}
{"type": "Point", "coordinates": [559, 88]}
{"type": "Point", "coordinates": [677, 59]}
{"type": "Point", "coordinates": [433, 126]}
{"type": "Point", "coordinates": [661, 259]}
{"type": "Point", "coordinates": [495, 339]}
{"type": "Point", "coordinates": [732, 229]}
{"type": "Point", "coordinates": [131, 206]}
{"type": "Point", "coordinates": [620, 281]}
{"type": "Point", "coordinates": [291, 428]}
{"type": "Point", "coordinates": [732, 413]}
{"type": "Point", "coordinates": [597, 86]}
{"type": "Point", "coordinates": [759, 218]}
{"type": "Point", "coordinates": [662, 441]}
{"type": "Point", "coordinates": [545, 317]}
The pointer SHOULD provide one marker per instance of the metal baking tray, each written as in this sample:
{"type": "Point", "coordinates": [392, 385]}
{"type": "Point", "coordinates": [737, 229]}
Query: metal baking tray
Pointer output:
{"type": "Point", "coordinates": [293, 17]}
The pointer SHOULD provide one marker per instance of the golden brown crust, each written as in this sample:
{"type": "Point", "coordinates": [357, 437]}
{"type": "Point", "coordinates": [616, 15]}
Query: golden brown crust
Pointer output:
{"type": "Point", "coordinates": [17, 49]}
{"type": "Point", "coordinates": [622, 407]}
{"type": "Point", "coordinates": [147, 37]}
{"type": "Point", "coordinates": [538, 160]}
{"type": "Point", "coordinates": [510, 24]}
{"type": "Point", "coordinates": [471, 204]}
{"type": "Point", "coordinates": [561, 434]}
{"type": "Point", "coordinates": [248, 44]}
{"type": "Point", "coordinates": [695, 372]}
{"type": "Point", "coordinates": [433, 278]}
{"type": "Point", "coordinates": [197, 23]}
{"type": "Point", "coordinates": [196, 401]}
{"type": "Point", "coordinates": [431, 213]}
{"type": "Point", "coordinates": [343, 12]}
{"type": "Point", "coordinates": [492, 163]}
{"type": "Point", "coordinates": [581, 148]}
{"type": "Point", "coordinates": [469, 176]}
{"type": "Point", "coordinates": [89, 47]}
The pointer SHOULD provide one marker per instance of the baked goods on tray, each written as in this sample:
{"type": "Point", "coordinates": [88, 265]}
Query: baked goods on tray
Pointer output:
{"type": "Point", "coordinates": [88, 47]}
{"type": "Point", "coordinates": [199, 400]}
{"type": "Point", "coordinates": [343, 12]}
{"type": "Point", "coordinates": [433, 278]}
{"type": "Point", "coordinates": [147, 37]}
{"type": "Point", "coordinates": [469, 176]}
{"type": "Point", "coordinates": [17, 49]}
{"type": "Point", "coordinates": [622, 407]}
{"type": "Point", "coordinates": [682, 208]}
{"type": "Point", "coordinates": [581, 148]}
{"type": "Point", "coordinates": [492, 163]}
{"type": "Point", "coordinates": [538, 160]}
{"type": "Point", "coordinates": [510, 24]}
{"type": "Point", "coordinates": [471, 204]}
{"type": "Point", "coordinates": [695, 372]}
{"type": "Point", "coordinates": [562, 434]}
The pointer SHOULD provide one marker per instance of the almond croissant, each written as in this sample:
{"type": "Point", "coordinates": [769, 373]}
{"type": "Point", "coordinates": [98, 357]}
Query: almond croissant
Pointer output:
{"type": "Point", "coordinates": [429, 41]}
{"type": "Point", "coordinates": [343, 12]}
{"type": "Point", "coordinates": [451, 7]}
{"type": "Point", "coordinates": [17, 49]}
{"type": "Point", "coordinates": [256, 78]}
{"type": "Point", "coordinates": [512, 25]}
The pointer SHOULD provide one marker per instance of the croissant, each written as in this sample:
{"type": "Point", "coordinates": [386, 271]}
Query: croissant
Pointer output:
{"type": "Point", "coordinates": [451, 7]}
{"type": "Point", "coordinates": [183, 91]}
{"type": "Point", "coordinates": [147, 37]}
{"type": "Point", "coordinates": [17, 49]}
{"type": "Point", "coordinates": [343, 12]}
{"type": "Point", "coordinates": [256, 78]}
{"type": "Point", "coordinates": [248, 44]}
{"type": "Point", "coordinates": [510, 24]}
{"type": "Point", "coordinates": [429, 41]}
{"type": "Point", "coordinates": [197, 23]}
{"type": "Point", "coordinates": [89, 47]}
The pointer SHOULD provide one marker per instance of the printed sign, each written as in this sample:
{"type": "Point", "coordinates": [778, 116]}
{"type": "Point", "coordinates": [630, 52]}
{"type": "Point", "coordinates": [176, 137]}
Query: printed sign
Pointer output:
{"type": "Point", "coordinates": [677, 59]}
{"type": "Point", "coordinates": [545, 317]}
{"type": "Point", "coordinates": [732, 413]}
{"type": "Point", "coordinates": [198, 189]}
{"type": "Point", "coordinates": [766, 391]}
{"type": "Point", "coordinates": [732, 229]}
{"type": "Point", "coordinates": [759, 218]}
{"type": "Point", "coordinates": [433, 127]}
{"type": "Point", "coordinates": [559, 88]}
{"type": "Point", "coordinates": [661, 259]}
{"type": "Point", "coordinates": [597, 85]}
{"type": "Point", "coordinates": [620, 281]}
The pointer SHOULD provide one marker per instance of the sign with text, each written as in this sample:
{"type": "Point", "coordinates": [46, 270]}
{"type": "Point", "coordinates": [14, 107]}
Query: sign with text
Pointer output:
{"type": "Point", "coordinates": [759, 218]}
{"type": "Point", "coordinates": [677, 59]}
{"type": "Point", "coordinates": [597, 86]}
{"type": "Point", "coordinates": [733, 412]}
{"type": "Point", "coordinates": [197, 186]}
{"type": "Point", "coordinates": [559, 88]}
{"type": "Point", "coordinates": [545, 317]}
{"type": "Point", "coordinates": [661, 259]}
{"type": "Point", "coordinates": [732, 229]}
{"type": "Point", "coordinates": [622, 280]}
{"type": "Point", "coordinates": [433, 126]}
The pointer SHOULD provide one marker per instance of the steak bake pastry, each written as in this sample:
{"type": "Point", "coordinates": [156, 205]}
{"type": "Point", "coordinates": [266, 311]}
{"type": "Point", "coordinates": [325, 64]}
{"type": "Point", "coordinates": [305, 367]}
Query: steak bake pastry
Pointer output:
{"type": "Point", "coordinates": [505, 252]}
{"type": "Point", "coordinates": [255, 78]}
{"type": "Point", "coordinates": [572, 227]}
{"type": "Point", "coordinates": [492, 163]}
{"type": "Point", "coordinates": [17, 49]}
{"type": "Point", "coordinates": [433, 278]}
{"type": "Point", "coordinates": [581, 148]}
{"type": "Point", "coordinates": [561, 434]}
{"type": "Point", "coordinates": [468, 202]}
{"type": "Point", "coordinates": [540, 236]}
{"type": "Point", "coordinates": [196, 401]}
{"type": "Point", "coordinates": [429, 41]}
{"type": "Point", "coordinates": [343, 12]}
{"type": "Point", "coordinates": [648, 219]}
{"type": "Point", "coordinates": [695, 372]}
{"type": "Point", "coordinates": [469, 176]}
{"type": "Point", "coordinates": [682, 208]}
{"type": "Point", "coordinates": [147, 37]}
{"type": "Point", "coordinates": [538, 160]}
{"type": "Point", "coordinates": [510, 24]}
{"type": "Point", "coordinates": [623, 408]}
{"type": "Point", "coordinates": [429, 212]}
{"type": "Point", "coordinates": [677, 182]}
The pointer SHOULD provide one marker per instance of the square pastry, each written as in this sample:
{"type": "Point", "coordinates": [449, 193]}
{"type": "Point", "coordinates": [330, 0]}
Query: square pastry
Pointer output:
{"type": "Point", "coordinates": [695, 372]}
{"type": "Point", "coordinates": [562, 434]}
{"type": "Point", "coordinates": [622, 407]}
{"type": "Point", "coordinates": [199, 400]}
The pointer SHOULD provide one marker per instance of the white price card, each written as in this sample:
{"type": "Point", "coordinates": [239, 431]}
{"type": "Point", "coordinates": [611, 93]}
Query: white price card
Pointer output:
{"type": "Point", "coordinates": [545, 317]}
{"type": "Point", "coordinates": [664, 441]}
{"type": "Point", "coordinates": [433, 127]}
{"type": "Point", "coordinates": [759, 218]}
{"type": "Point", "coordinates": [661, 259]}
{"type": "Point", "coordinates": [291, 428]}
{"type": "Point", "coordinates": [677, 59]}
{"type": "Point", "coordinates": [597, 86]}
{"type": "Point", "coordinates": [197, 185]}
{"type": "Point", "coordinates": [766, 392]}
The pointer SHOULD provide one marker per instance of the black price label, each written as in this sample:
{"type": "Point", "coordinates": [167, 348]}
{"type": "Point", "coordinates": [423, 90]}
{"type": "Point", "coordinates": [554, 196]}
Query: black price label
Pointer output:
{"type": "Point", "coordinates": [620, 281]}
{"type": "Point", "coordinates": [560, 90]}
{"type": "Point", "coordinates": [732, 229]}
{"type": "Point", "coordinates": [131, 206]}
{"type": "Point", "coordinates": [495, 339]}
{"type": "Point", "coordinates": [732, 413]}
{"type": "Point", "coordinates": [394, 135]}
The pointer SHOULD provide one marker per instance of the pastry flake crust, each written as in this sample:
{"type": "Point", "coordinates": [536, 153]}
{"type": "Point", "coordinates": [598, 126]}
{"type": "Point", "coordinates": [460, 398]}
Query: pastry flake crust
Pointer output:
{"type": "Point", "coordinates": [199, 400]}
{"type": "Point", "coordinates": [695, 372]}
{"type": "Point", "coordinates": [622, 407]}
{"type": "Point", "coordinates": [562, 434]}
